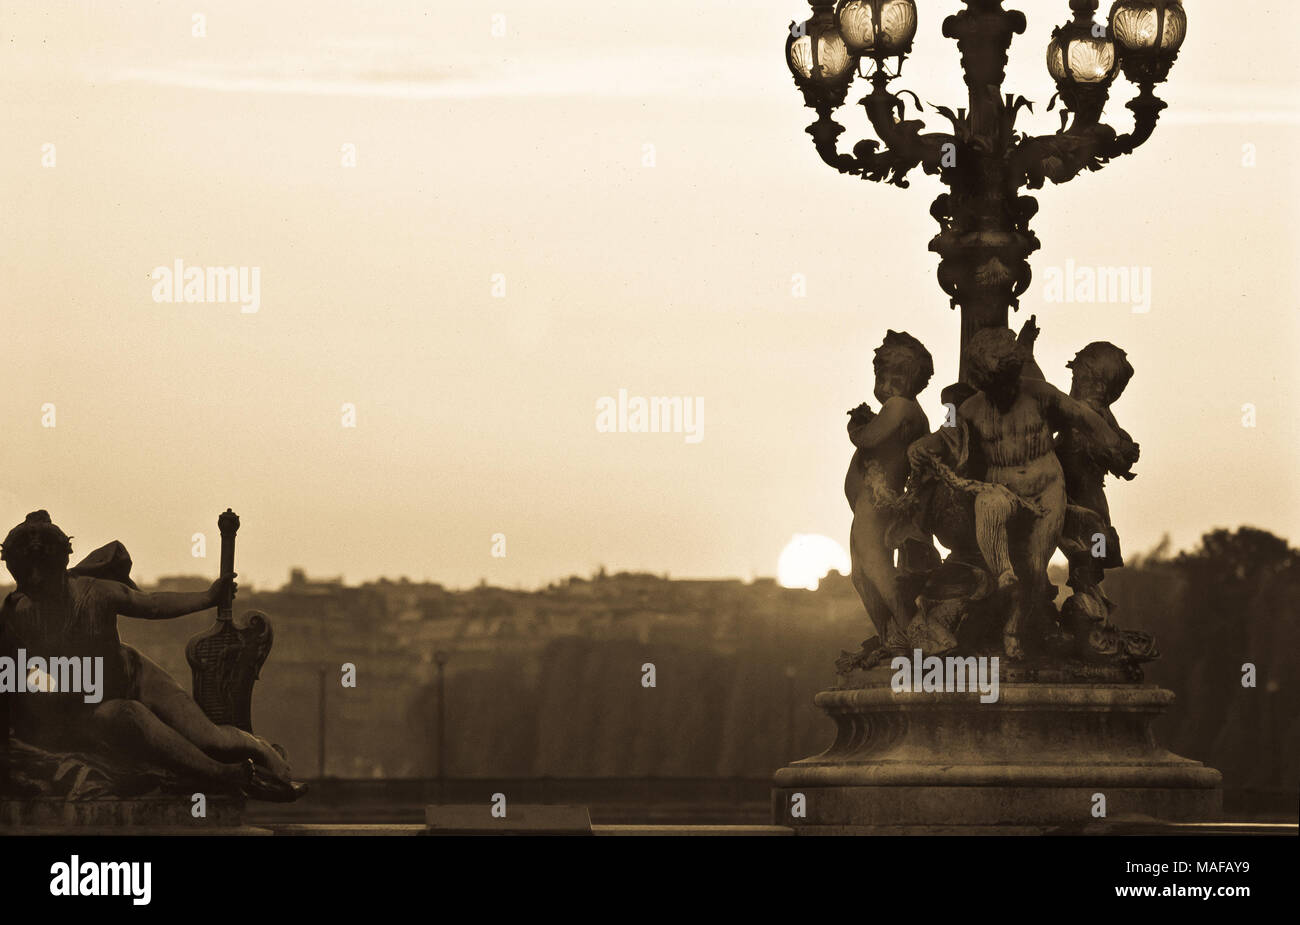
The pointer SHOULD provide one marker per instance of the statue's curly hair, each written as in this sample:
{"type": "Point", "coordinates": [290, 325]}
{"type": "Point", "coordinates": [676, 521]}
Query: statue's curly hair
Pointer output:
{"type": "Point", "coordinates": [1103, 363]}
{"type": "Point", "coordinates": [992, 353]}
{"type": "Point", "coordinates": [904, 352]}
{"type": "Point", "coordinates": [36, 536]}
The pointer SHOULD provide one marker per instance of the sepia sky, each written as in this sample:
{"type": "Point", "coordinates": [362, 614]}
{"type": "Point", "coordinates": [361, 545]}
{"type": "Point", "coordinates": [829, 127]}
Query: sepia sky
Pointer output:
{"type": "Point", "coordinates": [525, 155]}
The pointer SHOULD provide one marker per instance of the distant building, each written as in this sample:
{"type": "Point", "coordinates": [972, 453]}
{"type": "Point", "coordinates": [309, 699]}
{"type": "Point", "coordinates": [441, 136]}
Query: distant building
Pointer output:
{"type": "Point", "coordinates": [183, 583]}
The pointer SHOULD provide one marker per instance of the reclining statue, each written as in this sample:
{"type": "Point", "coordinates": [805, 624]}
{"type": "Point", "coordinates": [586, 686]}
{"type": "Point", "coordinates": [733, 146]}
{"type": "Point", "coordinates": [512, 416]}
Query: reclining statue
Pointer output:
{"type": "Point", "coordinates": [143, 718]}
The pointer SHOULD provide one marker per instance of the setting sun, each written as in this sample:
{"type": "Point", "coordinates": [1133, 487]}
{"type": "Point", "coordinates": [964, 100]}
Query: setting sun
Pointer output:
{"type": "Point", "coordinates": [807, 558]}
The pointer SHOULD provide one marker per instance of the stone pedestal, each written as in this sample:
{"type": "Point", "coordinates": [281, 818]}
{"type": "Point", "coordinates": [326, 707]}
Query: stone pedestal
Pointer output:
{"type": "Point", "coordinates": [1034, 760]}
{"type": "Point", "coordinates": [170, 815]}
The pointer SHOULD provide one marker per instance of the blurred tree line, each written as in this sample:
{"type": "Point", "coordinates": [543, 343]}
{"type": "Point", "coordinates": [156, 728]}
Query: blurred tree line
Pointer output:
{"type": "Point", "coordinates": [1231, 603]}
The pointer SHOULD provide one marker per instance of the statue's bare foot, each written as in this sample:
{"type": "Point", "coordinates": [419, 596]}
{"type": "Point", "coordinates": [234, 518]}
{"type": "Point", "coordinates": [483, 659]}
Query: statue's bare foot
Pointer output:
{"type": "Point", "coordinates": [274, 759]}
{"type": "Point", "coordinates": [871, 654]}
{"type": "Point", "coordinates": [930, 636]}
{"type": "Point", "coordinates": [1008, 581]}
{"type": "Point", "coordinates": [875, 657]}
{"type": "Point", "coordinates": [1011, 645]}
{"type": "Point", "coordinates": [260, 785]}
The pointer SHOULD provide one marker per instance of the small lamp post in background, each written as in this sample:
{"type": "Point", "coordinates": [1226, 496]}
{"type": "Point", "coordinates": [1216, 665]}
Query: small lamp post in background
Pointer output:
{"type": "Point", "coordinates": [440, 659]}
{"type": "Point", "coordinates": [789, 712]}
{"type": "Point", "coordinates": [320, 725]}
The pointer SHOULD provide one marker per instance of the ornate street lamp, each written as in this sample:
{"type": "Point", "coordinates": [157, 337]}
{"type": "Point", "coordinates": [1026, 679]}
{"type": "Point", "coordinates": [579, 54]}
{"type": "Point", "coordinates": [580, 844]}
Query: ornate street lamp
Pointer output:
{"type": "Point", "coordinates": [984, 240]}
{"type": "Point", "coordinates": [996, 490]}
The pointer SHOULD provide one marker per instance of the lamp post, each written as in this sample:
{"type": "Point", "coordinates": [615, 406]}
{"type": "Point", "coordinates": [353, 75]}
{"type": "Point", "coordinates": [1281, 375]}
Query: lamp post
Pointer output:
{"type": "Point", "coordinates": [440, 659]}
{"type": "Point", "coordinates": [321, 678]}
{"type": "Point", "coordinates": [904, 759]}
{"type": "Point", "coordinates": [790, 674]}
{"type": "Point", "coordinates": [984, 240]}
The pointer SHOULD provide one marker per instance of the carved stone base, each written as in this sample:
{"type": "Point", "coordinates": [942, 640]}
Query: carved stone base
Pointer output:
{"type": "Point", "coordinates": [1034, 760]}
{"type": "Point", "coordinates": [172, 811]}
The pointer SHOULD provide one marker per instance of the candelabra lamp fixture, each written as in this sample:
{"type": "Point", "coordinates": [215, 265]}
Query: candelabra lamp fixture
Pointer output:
{"type": "Point", "coordinates": [984, 240]}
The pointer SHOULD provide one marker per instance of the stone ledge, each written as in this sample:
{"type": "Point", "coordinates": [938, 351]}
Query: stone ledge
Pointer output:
{"type": "Point", "coordinates": [171, 812]}
{"type": "Point", "coordinates": [1013, 805]}
{"type": "Point", "coordinates": [94, 831]}
{"type": "Point", "coordinates": [1127, 828]}
{"type": "Point", "coordinates": [764, 831]}
{"type": "Point", "coordinates": [1087, 773]}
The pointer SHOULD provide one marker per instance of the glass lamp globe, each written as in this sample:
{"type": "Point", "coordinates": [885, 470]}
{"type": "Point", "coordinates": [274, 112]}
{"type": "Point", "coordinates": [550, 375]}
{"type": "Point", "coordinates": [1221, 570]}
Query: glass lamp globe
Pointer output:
{"type": "Point", "coordinates": [1081, 58]}
{"type": "Point", "coordinates": [819, 53]}
{"type": "Point", "coordinates": [879, 28]}
{"type": "Point", "coordinates": [1149, 26]}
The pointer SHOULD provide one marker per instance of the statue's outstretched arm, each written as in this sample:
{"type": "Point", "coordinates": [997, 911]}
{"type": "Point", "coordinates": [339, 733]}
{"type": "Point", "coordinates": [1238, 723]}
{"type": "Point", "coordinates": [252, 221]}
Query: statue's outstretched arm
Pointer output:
{"type": "Point", "coordinates": [164, 605]}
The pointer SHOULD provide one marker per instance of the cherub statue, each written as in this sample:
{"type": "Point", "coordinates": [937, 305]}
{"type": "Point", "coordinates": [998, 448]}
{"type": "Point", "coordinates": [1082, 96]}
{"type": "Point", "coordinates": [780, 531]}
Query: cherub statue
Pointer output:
{"type": "Point", "coordinates": [1005, 441]}
{"type": "Point", "coordinates": [944, 503]}
{"type": "Point", "coordinates": [144, 714]}
{"type": "Point", "coordinates": [875, 480]}
{"type": "Point", "coordinates": [1101, 372]}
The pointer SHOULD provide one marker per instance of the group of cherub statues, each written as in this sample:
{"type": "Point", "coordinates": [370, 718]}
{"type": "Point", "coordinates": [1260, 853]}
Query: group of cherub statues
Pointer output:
{"type": "Point", "coordinates": [1013, 472]}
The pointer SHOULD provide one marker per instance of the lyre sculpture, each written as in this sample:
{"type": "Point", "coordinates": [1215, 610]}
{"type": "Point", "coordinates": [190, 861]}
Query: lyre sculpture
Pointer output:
{"type": "Point", "coordinates": [226, 659]}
